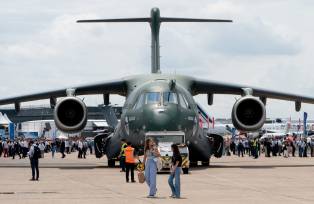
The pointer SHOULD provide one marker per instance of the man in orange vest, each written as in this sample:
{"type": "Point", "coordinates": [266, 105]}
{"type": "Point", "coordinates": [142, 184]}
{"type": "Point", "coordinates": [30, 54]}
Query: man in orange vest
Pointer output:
{"type": "Point", "coordinates": [129, 162]}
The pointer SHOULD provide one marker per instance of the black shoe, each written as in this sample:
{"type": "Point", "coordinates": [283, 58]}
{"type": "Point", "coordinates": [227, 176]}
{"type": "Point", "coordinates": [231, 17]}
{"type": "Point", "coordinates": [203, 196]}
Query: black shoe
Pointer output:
{"type": "Point", "coordinates": [133, 181]}
{"type": "Point", "coordinates": [32, 179]}
{"type": "Point", "coordinates": [127, 181]}
{"type": "Point", "coordinates": [37, 179]}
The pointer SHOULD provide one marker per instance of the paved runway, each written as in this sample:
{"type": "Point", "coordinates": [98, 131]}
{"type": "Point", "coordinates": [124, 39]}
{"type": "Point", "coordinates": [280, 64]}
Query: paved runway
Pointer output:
{"type": "Point", "coordinates": [228, 180]}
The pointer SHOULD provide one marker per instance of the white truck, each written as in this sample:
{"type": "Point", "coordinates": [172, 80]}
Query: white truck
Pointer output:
{"type": "Point", "coordinates": [164, 140]}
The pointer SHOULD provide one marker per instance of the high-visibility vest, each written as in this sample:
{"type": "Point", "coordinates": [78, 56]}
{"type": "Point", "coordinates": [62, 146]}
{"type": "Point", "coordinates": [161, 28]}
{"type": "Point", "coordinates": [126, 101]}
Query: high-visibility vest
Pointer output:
{"type": "Point", "coordinates": [123, 146]}
{"type": "Point", "coordinates": [129, 155]}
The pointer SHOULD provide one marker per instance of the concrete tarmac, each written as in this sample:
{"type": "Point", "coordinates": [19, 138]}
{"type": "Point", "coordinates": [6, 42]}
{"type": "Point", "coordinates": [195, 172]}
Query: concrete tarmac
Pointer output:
{"type": "Point", "coordinates": [228, 180]}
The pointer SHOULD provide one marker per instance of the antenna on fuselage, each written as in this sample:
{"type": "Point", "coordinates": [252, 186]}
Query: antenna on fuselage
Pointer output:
{"type": "Point", "coordinates": [155, 21]}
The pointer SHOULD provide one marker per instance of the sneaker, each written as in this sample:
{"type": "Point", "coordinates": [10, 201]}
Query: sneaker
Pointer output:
{"type": "Point", "coordinates": [172, 196]}
{"type": "Point", "coordinates": [151, 196]}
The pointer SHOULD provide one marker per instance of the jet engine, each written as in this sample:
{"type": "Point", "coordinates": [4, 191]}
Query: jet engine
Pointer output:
{"type": "Point", "coordinates": [248, 114]}
{"type": "Point", "coordinates": [70, 114]}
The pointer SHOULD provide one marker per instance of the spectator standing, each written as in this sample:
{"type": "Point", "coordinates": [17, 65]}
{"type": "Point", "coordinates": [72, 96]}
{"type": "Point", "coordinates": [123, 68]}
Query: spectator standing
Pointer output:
{"type": "Point", "coordinates": [62, 148]}
{"type": "Point", "coordinates": [5, 149]}
{"type": "Point", "coordinates": [42, 149]}
{"type": "Point", "coordinates": [176, 163]}
{"type": "Point", "coordinates": [129, 162]}
{"type": "Point", "coordinates": [34, 155]}
{"type": "Point", "coordinates": [151, 155]}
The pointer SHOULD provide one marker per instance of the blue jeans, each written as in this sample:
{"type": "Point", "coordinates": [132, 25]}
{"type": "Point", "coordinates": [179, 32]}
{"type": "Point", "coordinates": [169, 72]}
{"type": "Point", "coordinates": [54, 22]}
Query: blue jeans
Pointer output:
{"type": "Point", "coordinates": [150, 176]}
{"type": "Point", "coordinates": [300, 151]}
{"type": "Point", "coordinates": [175, 188]}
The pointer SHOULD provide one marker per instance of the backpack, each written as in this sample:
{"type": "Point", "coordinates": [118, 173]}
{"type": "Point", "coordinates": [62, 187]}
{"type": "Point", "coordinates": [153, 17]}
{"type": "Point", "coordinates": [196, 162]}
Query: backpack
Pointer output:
{"type": "Point", "coordinates": [37, 153]}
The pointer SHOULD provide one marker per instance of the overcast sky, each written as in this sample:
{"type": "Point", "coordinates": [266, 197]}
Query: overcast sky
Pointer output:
{"type": "Point", "coordinates": [269, 45]}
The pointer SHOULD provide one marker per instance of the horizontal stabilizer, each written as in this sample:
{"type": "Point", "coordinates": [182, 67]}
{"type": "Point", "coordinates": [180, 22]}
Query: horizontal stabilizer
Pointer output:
{"type": "Point", "coordinates": [117, 20]}
{"type": "Point", "coordinates": [162, 19]}
{"type": "Point", "coordinates": [167, 19]}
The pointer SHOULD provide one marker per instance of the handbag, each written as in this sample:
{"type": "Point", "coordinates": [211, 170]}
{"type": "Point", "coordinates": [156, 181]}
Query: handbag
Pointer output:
{"type": "Point", "coordinates": [141, 177]}
{"type": "Point", "coordinates": [158, 163]}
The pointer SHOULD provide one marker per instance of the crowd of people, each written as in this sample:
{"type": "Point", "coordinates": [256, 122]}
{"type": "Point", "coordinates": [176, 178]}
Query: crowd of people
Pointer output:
{"type": "Point", "coordinates": [35, 149]}
{"type": "Point", "coordinates": [21, 147]}
{"type": "Point", "coordinates": [280, 146]}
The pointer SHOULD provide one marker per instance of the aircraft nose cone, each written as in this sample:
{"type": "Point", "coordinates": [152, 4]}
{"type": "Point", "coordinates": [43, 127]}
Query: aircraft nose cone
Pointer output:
{"type": "Point", "coordinates": [161, 119]}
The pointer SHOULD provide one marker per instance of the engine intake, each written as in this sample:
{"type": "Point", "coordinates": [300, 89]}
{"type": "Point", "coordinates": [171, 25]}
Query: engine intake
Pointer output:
{"type": "Point", "coordinates": [248, 114]}
{"type": "Point", "coordinates": [70, 114]}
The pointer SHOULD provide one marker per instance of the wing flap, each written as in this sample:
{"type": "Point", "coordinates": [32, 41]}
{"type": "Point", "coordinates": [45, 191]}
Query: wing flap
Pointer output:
{"type": "Point", "coordinates": [213, 87]}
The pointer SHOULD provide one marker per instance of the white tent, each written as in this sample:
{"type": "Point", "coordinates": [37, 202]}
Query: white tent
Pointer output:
{"type": "Point", "coordinates": [3, 121]}
{"type": "Point", "coordinates": [7, 118]}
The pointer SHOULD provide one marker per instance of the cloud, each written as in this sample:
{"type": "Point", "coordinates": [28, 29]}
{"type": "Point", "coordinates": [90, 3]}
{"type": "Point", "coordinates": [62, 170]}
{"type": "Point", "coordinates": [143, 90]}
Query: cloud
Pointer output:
{"type": "Point", "coordinates": [252, 38]}
{"type": "Point", "coordinates": [43, 48]}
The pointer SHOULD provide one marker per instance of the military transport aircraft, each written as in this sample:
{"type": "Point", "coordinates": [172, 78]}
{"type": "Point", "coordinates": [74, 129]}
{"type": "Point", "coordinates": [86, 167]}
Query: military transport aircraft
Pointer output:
{"type": "Point", "coordinates": [160, 102]}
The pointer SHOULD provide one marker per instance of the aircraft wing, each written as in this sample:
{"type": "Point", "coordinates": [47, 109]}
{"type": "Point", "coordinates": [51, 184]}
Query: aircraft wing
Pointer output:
{"type": "Point", "coordinates": [213, 87]}
{"type": "Point", "coordinates": [114, 87]}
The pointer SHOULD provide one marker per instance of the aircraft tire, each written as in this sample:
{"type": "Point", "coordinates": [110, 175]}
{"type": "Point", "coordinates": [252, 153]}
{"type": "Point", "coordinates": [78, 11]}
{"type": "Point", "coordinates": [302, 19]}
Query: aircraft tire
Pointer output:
{"type": "Point", "coordinates": [205, 163]}
{"type": "Point", "coordinates": [111, 163]}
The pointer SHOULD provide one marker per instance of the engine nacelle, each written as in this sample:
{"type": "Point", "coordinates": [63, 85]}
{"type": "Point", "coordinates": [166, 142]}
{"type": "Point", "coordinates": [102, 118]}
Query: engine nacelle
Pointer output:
{"type": "Point", "coordinates": [70, 114]}
{"type": "Point", "coordinates": [248, 114]}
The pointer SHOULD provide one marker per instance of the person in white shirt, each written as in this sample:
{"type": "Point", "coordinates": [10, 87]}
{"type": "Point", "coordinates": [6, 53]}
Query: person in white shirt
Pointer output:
{"type": "Point", "coordinates": [5, 149]}
{"type": "Point", "coordinates": [25, 148]}
{"type": "Point", "coordinates": [85, 146]}
{"type": "Point", "coordinates": [80, 149]}
{"type": "Point", "coordinates": [42, 149]}
{"type": "Point", "coordinates": [67, 146]}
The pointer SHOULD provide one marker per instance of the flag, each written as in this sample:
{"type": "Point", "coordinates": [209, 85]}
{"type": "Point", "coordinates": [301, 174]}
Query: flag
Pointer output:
{"type": "Point", "coordinates": [304, 123]}
{"type": "Point", "coordinates": [11, 131]}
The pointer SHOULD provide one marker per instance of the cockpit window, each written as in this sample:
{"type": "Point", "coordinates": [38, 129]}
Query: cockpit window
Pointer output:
{"type": "Point", "coordinates": [140, 102]}
{"type": "Point", "coordinates": [170, 97]}
{"type": "Point", "coordinates": [183, 101]}
{"type": "Point", "coordinates": [152, 97]}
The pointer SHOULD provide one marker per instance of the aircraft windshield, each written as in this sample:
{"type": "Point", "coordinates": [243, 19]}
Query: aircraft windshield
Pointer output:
{"type": "Point", "coordinates": [155, 98]}
{"type": "Point", "coordinates": [152, 97]}
{"type": "Point", "coordinates": [170, 97]}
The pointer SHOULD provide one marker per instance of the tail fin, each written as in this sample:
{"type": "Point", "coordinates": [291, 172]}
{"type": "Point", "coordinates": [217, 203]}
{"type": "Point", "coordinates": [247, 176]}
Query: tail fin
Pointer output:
{"type": "Point", "coordinates": [154, 20]}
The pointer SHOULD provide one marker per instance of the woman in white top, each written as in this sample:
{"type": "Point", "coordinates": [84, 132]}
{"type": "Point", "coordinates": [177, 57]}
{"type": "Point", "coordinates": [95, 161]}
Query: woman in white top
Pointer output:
{"type": "Point", "coordinates": [150, 160]}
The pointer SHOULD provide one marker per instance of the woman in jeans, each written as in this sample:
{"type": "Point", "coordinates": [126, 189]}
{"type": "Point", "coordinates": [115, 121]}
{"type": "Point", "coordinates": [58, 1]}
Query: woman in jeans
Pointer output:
{"type": "Point", "coordinates": [150, 160]}
{"type": "Point", "coordinates": [176, 162]}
